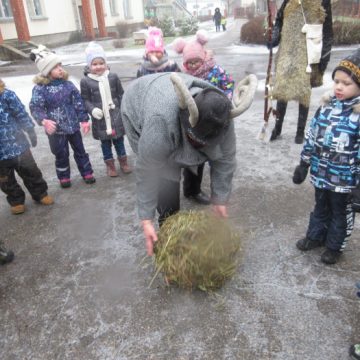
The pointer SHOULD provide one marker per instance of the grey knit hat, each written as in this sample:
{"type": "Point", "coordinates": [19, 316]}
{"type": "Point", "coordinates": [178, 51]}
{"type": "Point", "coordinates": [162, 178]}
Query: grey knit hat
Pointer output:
{"type": "Point", "coordinates": [44, 59]}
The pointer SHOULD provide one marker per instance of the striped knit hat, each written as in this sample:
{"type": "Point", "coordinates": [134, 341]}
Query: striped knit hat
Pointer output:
{"type": "Point", "coordinates": [350, 65]}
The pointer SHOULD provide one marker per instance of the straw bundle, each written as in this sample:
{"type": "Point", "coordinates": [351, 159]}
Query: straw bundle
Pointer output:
{"type": "Point", "coordinates": [196, 249]}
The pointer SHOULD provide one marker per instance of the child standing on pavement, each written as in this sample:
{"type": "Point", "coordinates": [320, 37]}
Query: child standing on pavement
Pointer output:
{"type": "Point", "coordinates": [15, 154]}
{"type": "Point", "coordinates": [331, 150]}
{"type": "Point", "coordinates": [57, 105]}
{"type": "Point", "coordinates": [102, 92]}
{"type": "Point", "coordinates": [200, 62]}
{"type": "Point", "coordinates": [156, 59]}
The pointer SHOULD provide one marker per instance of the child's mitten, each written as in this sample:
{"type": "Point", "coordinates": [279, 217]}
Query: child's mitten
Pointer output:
{"type": "Point", "coordinates": [32, 136]}
{"type": "Point", "coordinates": [85, 126]}
{"type": "Point", "coordinates": [300, 172]}
{"type": "Point", "coordinates": [97, 113]}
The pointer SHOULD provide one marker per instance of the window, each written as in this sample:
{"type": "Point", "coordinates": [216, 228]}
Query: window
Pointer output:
{"type": "Point", "coordinates": [5, 9]}
{"type": "Point", "coordinates": [127, 9]}
{"type": "Point", "coordinates": [113, 7]}
{"type": "Point", "coordinates": [35, 8]}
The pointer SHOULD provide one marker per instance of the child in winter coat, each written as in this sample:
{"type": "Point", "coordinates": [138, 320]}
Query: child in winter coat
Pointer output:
{"type": "Point", "coordinates": [15, 154]}
{"type": "Point", "coordinates": [200, 62]}
{"type": "Point", "coordinates": [102, 93]}
{"type": "Point", "coordinates": [331, 150]}
{"type": "Point", "coordinates": [57, 105]}
{"type": "Point", "coordinates": [155, 58]}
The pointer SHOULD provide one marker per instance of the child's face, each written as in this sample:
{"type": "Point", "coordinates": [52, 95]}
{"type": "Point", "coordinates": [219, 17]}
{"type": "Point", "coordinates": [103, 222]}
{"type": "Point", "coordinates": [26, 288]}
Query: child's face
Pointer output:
{"type": "Point", "coordinates": [57, 72]}
{"type": "Point", "coordinates": [98, 66]}
{"type": "Point", "coordinates": [157, 54]}
{"type": "Point", "coordinates": [193, 64]}
{"type": "Point", "coordinates": [344, 86]}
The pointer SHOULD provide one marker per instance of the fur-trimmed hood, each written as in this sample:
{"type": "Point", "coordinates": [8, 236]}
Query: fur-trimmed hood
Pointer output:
{"type": "Point", "coordinates": [44, 80]}
{"type": "Point", "coordinates": [2, 86]}
{"type": "Point", "coordinates": [328, 96]}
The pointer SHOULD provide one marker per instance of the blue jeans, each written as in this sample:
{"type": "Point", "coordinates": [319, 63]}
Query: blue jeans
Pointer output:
{"type": "Point", "coordinates": [332, 220]}
{"type": "Point", "coordinates": [119, 147]}
{"type": "Point", "coordinates": [59, 145]}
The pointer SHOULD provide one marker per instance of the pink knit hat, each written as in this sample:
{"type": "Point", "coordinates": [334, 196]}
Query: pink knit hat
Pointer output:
{"type": "Point", "coordinates": [155, 41]}
{"type": "Point", "coordinates": [193, 49]}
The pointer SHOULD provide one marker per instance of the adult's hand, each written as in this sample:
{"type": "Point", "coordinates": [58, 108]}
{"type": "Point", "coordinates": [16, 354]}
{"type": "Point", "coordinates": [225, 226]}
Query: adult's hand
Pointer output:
{"type": "Point", "coordinates": [220, 210]}
{"type": "Point", "coordinates": [49, 125]}
{"type": "Point", "coordinates": [150, 236]}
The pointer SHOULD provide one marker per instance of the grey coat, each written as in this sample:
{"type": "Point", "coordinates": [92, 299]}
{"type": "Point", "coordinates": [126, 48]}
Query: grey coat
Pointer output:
{"type": "Point", "coordinates": [90, 92]}
{"type": "Point", "coordinates": [150, 114]}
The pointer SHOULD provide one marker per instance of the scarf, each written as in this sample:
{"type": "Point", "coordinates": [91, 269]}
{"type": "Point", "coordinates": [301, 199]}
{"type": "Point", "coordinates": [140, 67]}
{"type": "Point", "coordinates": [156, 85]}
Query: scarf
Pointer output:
{"type": "Point", "coordinates": [106, 99]}
{"type": "Point", "coordinates": [158, 66]}
{"type": "Point", "coordinates": [204, 69]}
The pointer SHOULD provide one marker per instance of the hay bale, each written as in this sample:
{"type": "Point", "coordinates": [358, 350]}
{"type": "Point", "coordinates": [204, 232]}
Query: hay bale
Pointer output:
{"type": "Point", "coordinates": [196, 249]}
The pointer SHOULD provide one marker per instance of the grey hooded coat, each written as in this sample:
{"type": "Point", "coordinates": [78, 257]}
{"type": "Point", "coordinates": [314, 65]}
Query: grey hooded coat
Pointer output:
{"type": "Point", "coordinates": [150, 114]}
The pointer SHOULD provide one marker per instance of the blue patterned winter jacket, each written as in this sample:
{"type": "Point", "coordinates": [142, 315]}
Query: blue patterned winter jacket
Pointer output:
{"type": "Point", "coordinates": [332, 146]}
{"type": "Point", "coordinates": [14, 120]}
{"type": "Point", "coordinates": [58, 100]}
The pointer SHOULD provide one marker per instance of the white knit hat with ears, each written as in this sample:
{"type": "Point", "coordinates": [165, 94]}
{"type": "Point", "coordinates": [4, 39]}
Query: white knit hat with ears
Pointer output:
{"type": "Point", "coordinates": [93, 51]}
{"type": "Point", "coordinates": [44, 59]}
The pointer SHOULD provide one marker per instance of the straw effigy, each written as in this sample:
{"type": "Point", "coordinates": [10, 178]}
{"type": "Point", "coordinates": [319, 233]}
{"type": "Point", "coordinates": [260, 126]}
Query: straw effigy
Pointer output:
{"type": "Point", "coordinates": [196, 249]}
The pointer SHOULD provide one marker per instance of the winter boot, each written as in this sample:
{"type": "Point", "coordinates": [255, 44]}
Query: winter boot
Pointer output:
{"type": "Point", "coordinates": [65, 183]}
{"type": "Point", "coordinates": [280, 114]}
{"type": "Point", "coordinates": [303, 114]}
{"type": "Point", "coordinates": [355, 351]}
{"type": "Point", "coordinates": [330, 256]}
{"type": "Point", "coordinates": [18, 209]}
{"type": "Point", "coordinates": [277, 129]}
{"type": "Point", "coordinates": [89, 179]}
{"type": "Point", "coordinates": [124, 164]}
{"type": "Point", "coordinates": [110, 168]}
{"type": "Point", "coordinates": [306, 244]}
{"type": "Point", "coordinates": [6, 256]}
{"type": "Point", "coordinates": [46, 200]}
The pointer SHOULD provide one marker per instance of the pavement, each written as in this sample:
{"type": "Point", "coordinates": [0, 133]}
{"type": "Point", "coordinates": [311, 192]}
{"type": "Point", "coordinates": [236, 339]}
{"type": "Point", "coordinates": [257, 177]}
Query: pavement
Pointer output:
{"type": "Point", "coordinates": [79, 285]}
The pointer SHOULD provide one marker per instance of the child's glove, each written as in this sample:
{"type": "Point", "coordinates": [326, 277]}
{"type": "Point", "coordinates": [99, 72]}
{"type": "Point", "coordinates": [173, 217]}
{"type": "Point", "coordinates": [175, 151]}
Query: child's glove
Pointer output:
{"type": "Point", "coordinates": [85, 127]}
{"type": "Point", "coordinates": [355, 199]}
{"type": "Point", "coordinates": [97, 113]}
{"type": "Point", "coordinates": [300, 172]}
{"type": "Point", "coordinates": [49, 125]}
{"type": "Point", "coordinates": [32, 136]}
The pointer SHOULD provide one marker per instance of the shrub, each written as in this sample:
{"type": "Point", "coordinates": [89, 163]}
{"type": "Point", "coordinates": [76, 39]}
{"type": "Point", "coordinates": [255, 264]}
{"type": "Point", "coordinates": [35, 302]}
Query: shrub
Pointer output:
{"type": "Point", "coordinates": [253, 31]}
{"type": "Point", "coordinates": [123, 29]}
{"type": "Point", "coordinates": [346, 33]}
{"type": "Point", "coordinates": [167, 26]}
{"type": "Point", "coordinates": [188, 26]}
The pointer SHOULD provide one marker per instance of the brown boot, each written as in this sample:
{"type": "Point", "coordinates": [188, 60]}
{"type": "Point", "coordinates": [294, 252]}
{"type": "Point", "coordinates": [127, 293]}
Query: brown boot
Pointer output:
{"type": "Point", "coordinates": [124, 164]}
{"type": "Point", "coordinates": [110, 168]}
{"type": "Point", "coordinates": [46, 200]}
{"type": "Point", "coordinates": [18, 209]}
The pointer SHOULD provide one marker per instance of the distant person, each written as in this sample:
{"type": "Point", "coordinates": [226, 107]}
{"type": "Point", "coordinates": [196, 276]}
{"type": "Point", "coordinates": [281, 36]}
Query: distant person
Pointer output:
{"type": "Point", "coordinates": [294, 75]}
{"type": "Point", "coordinates": [217, 19]}
{"type": "Point", "coordinates": [16, 156]}
{"type": "Point", "coordinates": [57, 105]}
{"type": "Point", "coordinates": [200, 62]}
{"type": "Point", "coordinates": [331, 151]}
{"type": "Point", "coordinates": [102, 93]}
{"type": "Point", "coordinates": [223, 23]}
{"type": "Point", "coordinates": [156, 59]}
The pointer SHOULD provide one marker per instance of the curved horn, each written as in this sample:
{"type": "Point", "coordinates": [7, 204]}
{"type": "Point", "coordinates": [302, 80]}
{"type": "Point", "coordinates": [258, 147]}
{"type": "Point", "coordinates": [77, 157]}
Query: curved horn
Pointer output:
{"type": "Point", "coordinates": [244, 95]}
{"type": "Point", "coordinates": [185, 98]}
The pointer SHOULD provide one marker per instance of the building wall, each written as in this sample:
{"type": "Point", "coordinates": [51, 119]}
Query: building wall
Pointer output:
{"type": "Point", "coordinates": [62, 19]}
